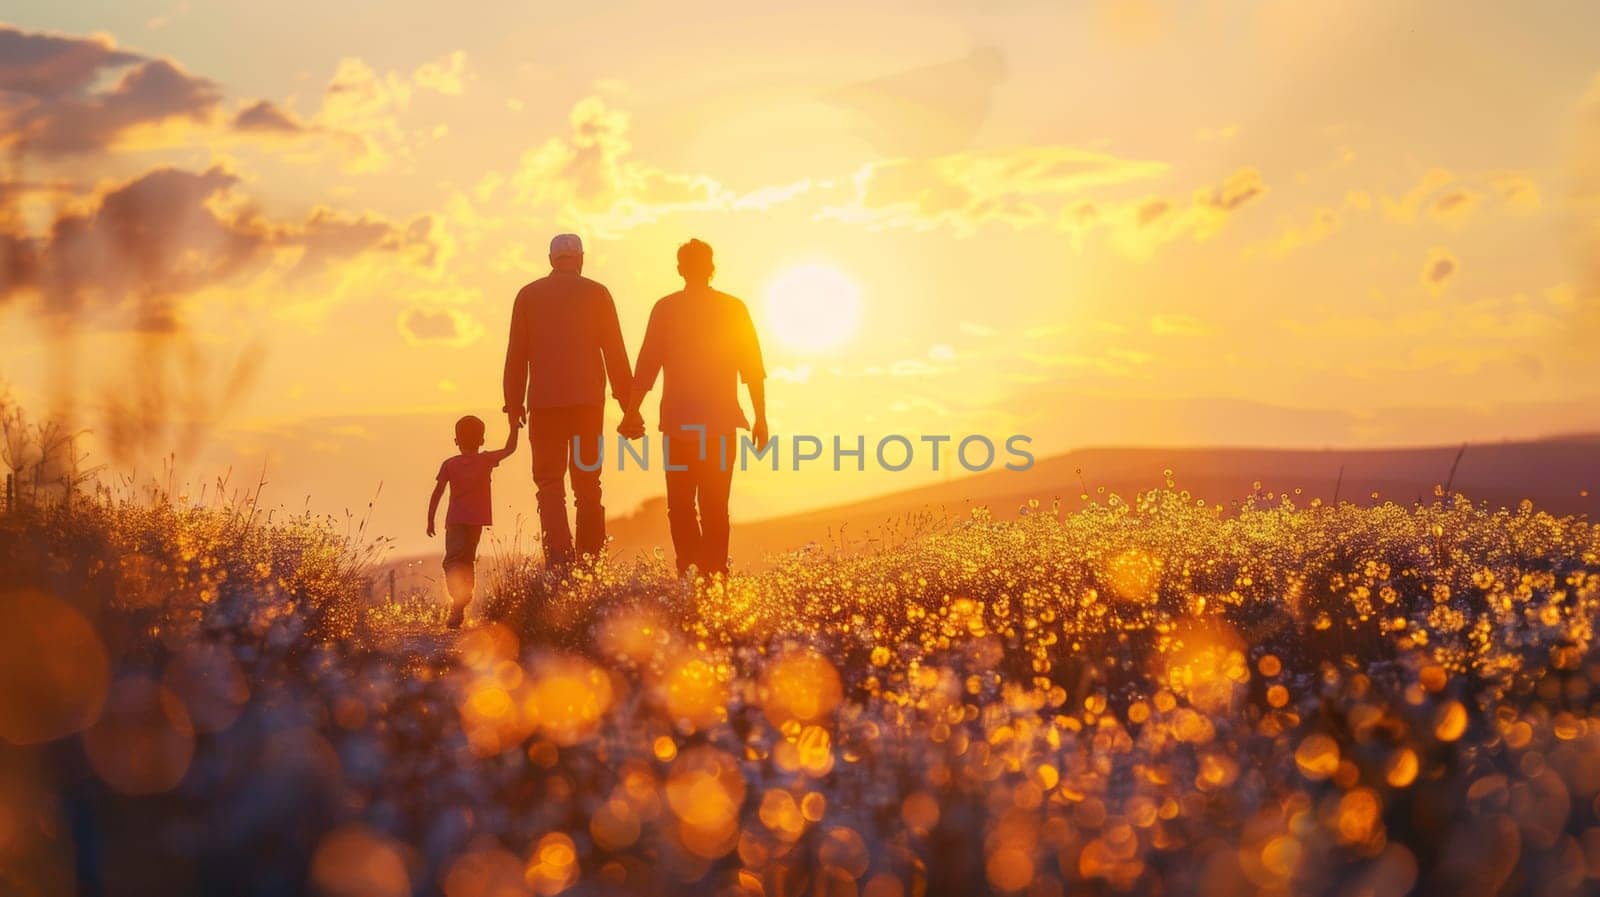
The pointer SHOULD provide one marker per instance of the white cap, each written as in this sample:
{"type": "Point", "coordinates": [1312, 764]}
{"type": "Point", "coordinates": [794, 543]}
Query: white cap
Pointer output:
{"type": "Point", "coordinates": [565, 244]}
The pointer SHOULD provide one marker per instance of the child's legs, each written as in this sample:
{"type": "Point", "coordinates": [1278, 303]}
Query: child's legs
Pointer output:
{"type": "Point", "coordinates": [460, 558]}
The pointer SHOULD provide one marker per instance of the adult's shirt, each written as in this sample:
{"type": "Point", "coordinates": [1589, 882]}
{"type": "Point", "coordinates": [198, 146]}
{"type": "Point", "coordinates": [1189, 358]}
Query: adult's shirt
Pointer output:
{"type": "Point", "coordinates": [565, 344]}
{"type": "Point", "coordinates": [702, 342]}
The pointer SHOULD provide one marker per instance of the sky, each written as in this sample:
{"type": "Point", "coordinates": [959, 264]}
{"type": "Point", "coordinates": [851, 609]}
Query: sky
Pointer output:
{"type": "Point", "coordinates": [283, 240]}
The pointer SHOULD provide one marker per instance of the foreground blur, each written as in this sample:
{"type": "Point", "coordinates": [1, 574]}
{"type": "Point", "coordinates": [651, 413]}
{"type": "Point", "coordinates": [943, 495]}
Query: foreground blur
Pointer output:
{"type": "Point", "coordinates": [1123, 699]}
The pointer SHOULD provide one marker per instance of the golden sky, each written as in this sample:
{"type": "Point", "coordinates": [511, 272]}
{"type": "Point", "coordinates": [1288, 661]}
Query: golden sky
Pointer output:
{"type": "Point", "coordinates": [289, 234]}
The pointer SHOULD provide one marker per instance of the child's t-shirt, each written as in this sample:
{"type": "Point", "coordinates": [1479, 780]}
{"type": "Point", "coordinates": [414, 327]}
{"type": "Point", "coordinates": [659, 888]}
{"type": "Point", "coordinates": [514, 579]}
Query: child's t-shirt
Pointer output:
{"type": "Point", "coordinates": [468, 476]}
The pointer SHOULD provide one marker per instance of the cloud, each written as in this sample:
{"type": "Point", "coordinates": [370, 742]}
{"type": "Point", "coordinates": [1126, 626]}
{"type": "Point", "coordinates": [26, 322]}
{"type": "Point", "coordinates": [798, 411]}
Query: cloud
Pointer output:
{"type": "Point", "coordinates": [1139, 227]}
{"type": "Point", "coordinates": [1452, 199]}
{"type": "Point", "coordinates": [1178, 325]}
{"type": "Point", "coordinates": [132, 255]}
{"type": "Point", "coordinates": [329, 236]}
{"type": "Point", "coordinates": [930, 108]}
{"type": "Point", "coordinates": [1323, 223]}
{"type": "Point", "coordinates": [446, 75]}
{"type": "Point", "coordinates": [62, 95]}
{"type": "Point", "coordinates": [265, 116]}
{"type": "Point", "coordinates": [586, 170]}
{"type": "Point", "coordinates": [1021, 187]}
{"type": "Point", "coordinates": [19, 264]}
{"type": "Point", "coordinates": [438, 326]}
{"type": "Point", "coordinates": [361, 107]}
{"type": "Point", "coordinates": [1440, 196]}
{"type": "Point", "coordinates": [1239, 190]}
{"type": "Point", "coordinates": [592, 181]}
{"type": "Point", "coordinates": [1454, 206]}
{"type": "Point", "coordinates": [65, 95]}
{"type": "Point", "coordinates": [147, 243]}
{"type": "Point", "coordinates": [361, 110]}
{"type": "Point", "coordinates": [1518, 192]}
{"type": "Point", "coordinates": [1438, 270]}
{"type": "Point", "coordinates": [1151, 211]}
{"type": "Point", "coordinates": [53, 65]}
{"type": "Point", "coordinates": [1041, 186]}
{"type": "Point", "coordinates": [1406, 207]}
{"type": "Point", "coordinates": [158, 22]}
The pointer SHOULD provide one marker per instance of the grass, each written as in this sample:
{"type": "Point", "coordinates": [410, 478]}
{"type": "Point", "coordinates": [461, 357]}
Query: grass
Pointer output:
{"type": "Point", "coordinates": [1134, 697]}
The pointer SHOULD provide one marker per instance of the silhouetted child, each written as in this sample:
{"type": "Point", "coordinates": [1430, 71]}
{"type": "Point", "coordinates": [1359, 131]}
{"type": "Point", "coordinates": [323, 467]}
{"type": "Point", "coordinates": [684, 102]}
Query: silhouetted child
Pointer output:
{"type": "Point", "coordinates": [471, 509]}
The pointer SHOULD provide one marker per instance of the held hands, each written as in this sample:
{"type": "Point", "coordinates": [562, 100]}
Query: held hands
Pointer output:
{"type": "Point", "coordinates": [632, 426]}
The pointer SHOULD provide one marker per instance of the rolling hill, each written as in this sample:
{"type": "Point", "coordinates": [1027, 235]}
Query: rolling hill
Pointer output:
{"type": "Point", "coordinates": [1558, 474]}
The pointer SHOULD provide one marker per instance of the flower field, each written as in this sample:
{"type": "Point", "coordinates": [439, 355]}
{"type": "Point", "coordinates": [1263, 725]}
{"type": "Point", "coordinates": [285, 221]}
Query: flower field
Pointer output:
{"type": "Point", "coordinates": [1130, 697]}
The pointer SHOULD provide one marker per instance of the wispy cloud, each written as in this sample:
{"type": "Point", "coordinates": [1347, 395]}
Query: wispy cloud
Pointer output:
{"type": "Point", "coordinates": [1439, 269]}
{"type": "Point", "coordinates": [1449, 198]}
{"type": "Point", "coordinates": [1438, 197]}
{"type": "Point", "coordinates": [926, 109]}
{"type": "Point", "coordinates": [452, 327]}
{"type": "Point", "coordinates": [362, 108]}
{"type": "Point", "coordinates": [1322, 223]}
{"type": "Point", "coordinates": [1020, 187]}
{"type": "Point", "coordinates": [592, 179]}
{"type": "Point", "coordinates": [1139, 227]}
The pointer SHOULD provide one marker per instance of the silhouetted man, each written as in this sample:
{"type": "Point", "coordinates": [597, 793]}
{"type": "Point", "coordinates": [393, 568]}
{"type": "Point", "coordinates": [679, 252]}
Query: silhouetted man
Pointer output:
{"type": "Point", "coordinates": [700, 340]}
{"type": "Point", "coordinates": [564, 345]}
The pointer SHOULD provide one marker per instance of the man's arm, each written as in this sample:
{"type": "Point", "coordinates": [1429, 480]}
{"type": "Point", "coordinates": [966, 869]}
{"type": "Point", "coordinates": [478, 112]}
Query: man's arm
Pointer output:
{"type": "Point", "coordinates": [433, 502]}
{"type": "Point", "coordinates": [644, 379]}
{"type": "Point", "coordinates": [753, 371]}
{"type": "Point", "coordinates": [758, 401]}
{"type": "Point", "coordinates": [516, 373]}
{"type": "Point", "coordinates": [613, 351]}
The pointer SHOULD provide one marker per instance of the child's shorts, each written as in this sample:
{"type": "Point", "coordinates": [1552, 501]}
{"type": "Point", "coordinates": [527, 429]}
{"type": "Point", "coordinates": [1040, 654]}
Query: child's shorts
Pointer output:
{"type": "Point", "coordinates": [461, 544]}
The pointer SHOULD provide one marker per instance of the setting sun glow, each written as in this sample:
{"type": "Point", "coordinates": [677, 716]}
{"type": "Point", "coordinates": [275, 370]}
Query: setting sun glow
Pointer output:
{"type": "Point", "coordinates": [813, 307]}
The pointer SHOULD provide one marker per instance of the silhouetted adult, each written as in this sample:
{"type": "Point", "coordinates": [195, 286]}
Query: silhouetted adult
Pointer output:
{"type": "Point", "coordinates": [564, 345]}
{"type": "Point", "coordinates": [700, 340]}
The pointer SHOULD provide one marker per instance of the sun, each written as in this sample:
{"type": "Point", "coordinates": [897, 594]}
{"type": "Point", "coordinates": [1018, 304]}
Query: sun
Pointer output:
{"type": "Point", "coordinates": [813, 307]}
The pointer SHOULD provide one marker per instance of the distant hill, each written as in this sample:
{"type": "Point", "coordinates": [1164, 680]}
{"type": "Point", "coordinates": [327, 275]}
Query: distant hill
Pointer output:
{"type": "Point", "coordinates": [1555, 474]}
{"type": "Point", "coordinates": [1560, 475]}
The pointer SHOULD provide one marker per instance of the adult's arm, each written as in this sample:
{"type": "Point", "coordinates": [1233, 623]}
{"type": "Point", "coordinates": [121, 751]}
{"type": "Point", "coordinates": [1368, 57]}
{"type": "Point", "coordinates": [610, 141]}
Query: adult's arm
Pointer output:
{"type": "Point", "coordinates": [752, 368]}
{"type": "Point", "coordinates": [758, 400]}
{"type": "Point", "coordinates": [516, 373]}
{"type": "Point", "coordinates": [753, 371]}
{"type": "Point", "coordinates": [613, 351]}
{"type": "Point", "coordinates": [648, 365]}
